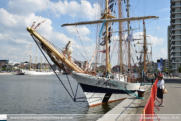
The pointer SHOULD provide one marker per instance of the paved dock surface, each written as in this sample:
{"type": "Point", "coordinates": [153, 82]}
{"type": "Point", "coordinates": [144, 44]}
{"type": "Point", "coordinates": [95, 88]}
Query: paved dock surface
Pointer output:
{"type": "Point", "coordinates": [131, 105]}
{"type": "Point", "coordinates": [172, 103]}
{"type": "Point", "coordinates": [172, 100]}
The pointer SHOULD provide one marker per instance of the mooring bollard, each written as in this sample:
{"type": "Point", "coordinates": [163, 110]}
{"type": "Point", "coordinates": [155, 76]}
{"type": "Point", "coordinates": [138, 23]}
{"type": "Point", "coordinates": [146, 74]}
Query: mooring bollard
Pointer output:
{"type": "Point", "coordinates": [141, 94]}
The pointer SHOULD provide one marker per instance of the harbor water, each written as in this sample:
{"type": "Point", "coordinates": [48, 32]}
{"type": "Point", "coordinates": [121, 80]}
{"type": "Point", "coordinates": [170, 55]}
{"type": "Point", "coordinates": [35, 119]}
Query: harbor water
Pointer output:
{"type": "Point", "coordinates": [25, 94]}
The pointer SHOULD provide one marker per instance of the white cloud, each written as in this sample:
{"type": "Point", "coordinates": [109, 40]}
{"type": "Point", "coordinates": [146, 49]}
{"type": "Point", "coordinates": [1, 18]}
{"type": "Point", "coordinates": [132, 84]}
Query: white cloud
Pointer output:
{"type": "Point", "coordinates": [14, 34]}
{"type": "Point", "coordinates": [86, 39]}
{"type": "Point", "coordinates": [153, 40]}
{"type": "Point", "coordinates": [82, 30]}
{"type": "Point", "coordinates": [159, 53]}
{"type": "Point", "coordinates": [164, 9]}
{"type": "Point", "coordinates": [25, 7]}
{"type": "Point", "coordinates": [20, 41]}
{"type": "Point", "coordinates": [72, 8]}
{"type": "Point", "coordinates": [11, 50]}
{"type": "Point", "coordinates": [1, 37]}
{"type": "Point", "coordinates": [62, 38]}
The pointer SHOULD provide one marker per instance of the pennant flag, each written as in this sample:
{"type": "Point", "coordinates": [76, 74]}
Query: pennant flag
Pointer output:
{"type": "Point", "coordinates": [103, 33]}
{"type": "Point", "coordinates": [110, 1]}
{"type": "Point", "coordinates": [109, 28]}
{"type": "Point", "coordinates": [129, 37]}
{"type": "Point", "coordinates": [103, 43]}
{"type": "Point", "coordinates": [102, 27]}
{"type": "Point", "coordinates": [104, 51]}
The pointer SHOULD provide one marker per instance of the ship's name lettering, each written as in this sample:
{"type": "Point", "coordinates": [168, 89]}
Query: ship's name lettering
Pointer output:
{"type": "Point", "coordinates": [99, 82]}
{"type": "Point", "coordinates": [110, 84]}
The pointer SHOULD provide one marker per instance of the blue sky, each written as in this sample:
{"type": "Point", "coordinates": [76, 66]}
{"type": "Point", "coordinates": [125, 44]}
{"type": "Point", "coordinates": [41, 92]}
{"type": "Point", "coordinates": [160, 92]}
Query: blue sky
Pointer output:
{"type": "Point", "coordinates": [16, 15]}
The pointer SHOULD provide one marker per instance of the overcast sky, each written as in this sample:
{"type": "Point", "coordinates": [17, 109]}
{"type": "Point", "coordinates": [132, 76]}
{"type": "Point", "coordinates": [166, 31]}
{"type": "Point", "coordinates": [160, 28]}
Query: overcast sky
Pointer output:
{"type": "Point", "coordinates": [16, 15]}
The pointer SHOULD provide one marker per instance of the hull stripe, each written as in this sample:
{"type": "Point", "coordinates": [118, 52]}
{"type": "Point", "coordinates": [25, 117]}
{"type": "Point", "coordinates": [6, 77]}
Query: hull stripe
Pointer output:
{"type": "Point", "coordinates": [95, 89]}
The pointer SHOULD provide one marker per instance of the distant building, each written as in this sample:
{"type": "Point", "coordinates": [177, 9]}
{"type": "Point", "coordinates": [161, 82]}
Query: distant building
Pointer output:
{"type": "Point", "coordinates": [3, 62]}
{"type": "Point", "coordinates": [79, 64]}
{"type": "Point", "coordinates": [164, 64]}
{"type": "Point", "coordinates": [116, 68]}
{"type": "Point", "coordinates": [175, 35]}
{"type": "Point", "coordinates": [55, 67]}
{"type": "Point", "coordinates": [169, 49]}
{"type": "Point", "coordinates": [93, 66]}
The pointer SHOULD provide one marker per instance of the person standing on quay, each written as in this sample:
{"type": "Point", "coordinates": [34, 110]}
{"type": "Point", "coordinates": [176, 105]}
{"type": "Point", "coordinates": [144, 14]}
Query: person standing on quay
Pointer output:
{"type": "Point", "coordinates": [170, 75]}
{"type": "Point", "coordinates": [160, 86]}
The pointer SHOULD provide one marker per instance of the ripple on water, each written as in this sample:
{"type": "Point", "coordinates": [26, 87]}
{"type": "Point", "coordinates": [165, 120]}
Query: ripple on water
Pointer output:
{"type": "Point", "coordinates": [44, 95]}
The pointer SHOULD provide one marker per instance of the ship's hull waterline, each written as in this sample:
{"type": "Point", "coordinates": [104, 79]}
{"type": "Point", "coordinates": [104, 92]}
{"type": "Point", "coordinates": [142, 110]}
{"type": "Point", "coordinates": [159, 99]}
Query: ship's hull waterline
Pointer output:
{"type": "Point", "coordinates": [100, 90]}
{"type": "Point", "coordinates": [28, 72]}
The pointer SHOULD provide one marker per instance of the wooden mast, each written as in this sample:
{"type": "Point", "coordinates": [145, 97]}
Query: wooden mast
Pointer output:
{"type": "Point", "coordinates": [144, 47]}
{"type": "Point", "coordinates": [129, 63]}
{"type": "Point", "coordinates": [107, 41]}
{"type": "Point", "coordinates": [30, 57]}
{"type": "Point", "coordinates": [120, 37]}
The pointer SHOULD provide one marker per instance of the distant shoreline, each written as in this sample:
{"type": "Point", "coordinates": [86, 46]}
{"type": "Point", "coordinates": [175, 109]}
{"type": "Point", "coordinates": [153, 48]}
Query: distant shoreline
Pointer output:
{"type": "Point", "coordinates": [6, 73]}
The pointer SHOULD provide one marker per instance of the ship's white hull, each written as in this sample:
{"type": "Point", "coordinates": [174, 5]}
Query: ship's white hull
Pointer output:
{"type": "Point", "coordinates": [28, 72]}
{"type": "Point", "coordinates": [95, 99]}
{"type": "Point", "coordinates": [99, 90]}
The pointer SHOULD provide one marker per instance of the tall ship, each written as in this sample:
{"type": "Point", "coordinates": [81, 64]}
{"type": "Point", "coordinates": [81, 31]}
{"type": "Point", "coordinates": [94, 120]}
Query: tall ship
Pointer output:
{"type": "Point", "coordinates": [35, 71]}
{"type": "Point", "coordinates": [99, 85]}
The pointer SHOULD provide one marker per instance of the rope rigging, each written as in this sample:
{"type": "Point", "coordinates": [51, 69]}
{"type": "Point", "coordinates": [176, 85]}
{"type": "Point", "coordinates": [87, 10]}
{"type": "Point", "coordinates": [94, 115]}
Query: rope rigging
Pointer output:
{"type": "Point", "coordinates": [74, 94]}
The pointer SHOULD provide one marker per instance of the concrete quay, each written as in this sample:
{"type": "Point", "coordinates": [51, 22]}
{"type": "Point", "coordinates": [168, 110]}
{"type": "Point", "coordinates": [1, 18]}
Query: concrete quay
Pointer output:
{"type": "Point", "coordinates": [172, 99]}
{"type": "Point", "coordinates": [131, 105]}
{"type": "Point", "coordinates": [6, 73]}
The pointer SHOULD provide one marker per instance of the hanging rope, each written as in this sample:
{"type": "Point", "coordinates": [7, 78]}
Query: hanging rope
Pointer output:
{"type": "Point", "coordinates": [82, 43]}
{"type": "Point", "coordinates": [26, 53]}
{"type": "Point", "coordinates": [52, 67]}
{"type": "Point", "coordinates": [42, 11]}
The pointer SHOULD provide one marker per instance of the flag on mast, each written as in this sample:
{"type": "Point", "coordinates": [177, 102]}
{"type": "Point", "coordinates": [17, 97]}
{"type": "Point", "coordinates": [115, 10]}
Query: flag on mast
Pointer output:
{"type": "Point", "coordinates": [129, 37]}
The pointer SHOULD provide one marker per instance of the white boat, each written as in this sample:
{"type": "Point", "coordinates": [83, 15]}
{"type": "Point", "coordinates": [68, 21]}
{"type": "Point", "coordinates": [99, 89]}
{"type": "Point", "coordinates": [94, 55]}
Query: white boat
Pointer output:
{"type": "Point", "coordinates": [33, 72]}
{"type": "Point", "coordinates": [99, 90]}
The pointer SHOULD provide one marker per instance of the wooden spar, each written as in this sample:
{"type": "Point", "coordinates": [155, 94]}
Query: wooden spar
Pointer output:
{"type": "Point", "coordinates": [110, 20]}
{"type": "Point", "coordinates": [129, 55]}
{"type": "Point", "coordinates": [58, 55]}
{"type": "Point", "coordinates": [107, 41]}
{"type": "Point", "coordinates": [120, 37]}
{"type": "Point", "coordinates": [144, 47]}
